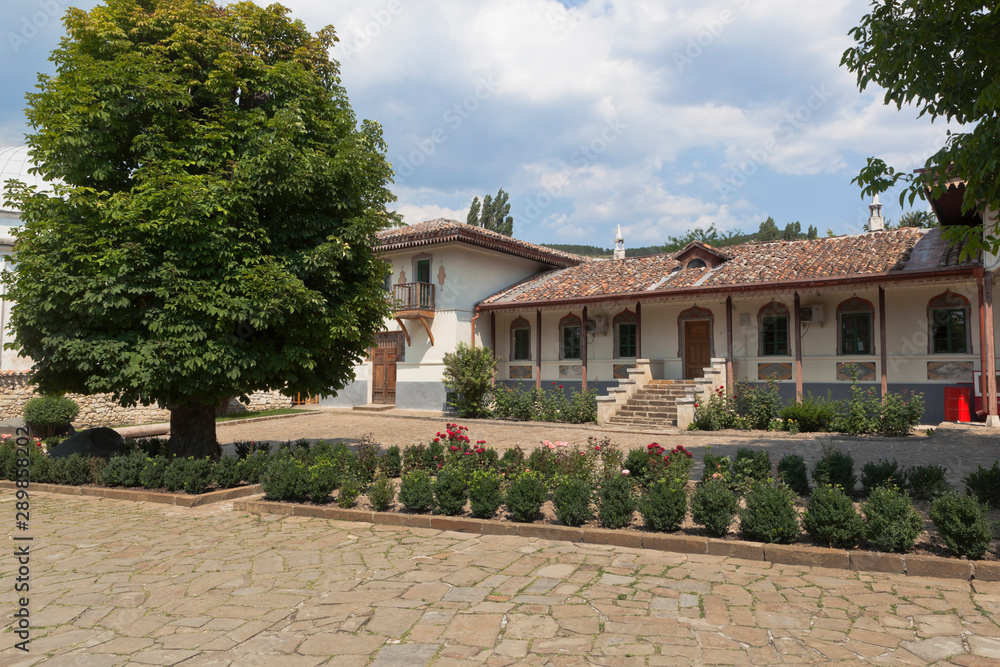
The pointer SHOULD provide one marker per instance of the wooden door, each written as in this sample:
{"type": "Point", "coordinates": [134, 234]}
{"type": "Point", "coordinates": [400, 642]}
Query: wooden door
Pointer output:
{"type": "Point", "coordinates": [384, 375]}
{"type": "Point", "coordinates": [697, 348]}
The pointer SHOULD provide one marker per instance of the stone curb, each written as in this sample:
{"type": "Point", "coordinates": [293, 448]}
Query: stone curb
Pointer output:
{"type": "Point", "coordinates": [163, 428]}
{"type": "Point", "coordinates": [178, 499]}
{"type": "Point", "coordinates": [777, 554]}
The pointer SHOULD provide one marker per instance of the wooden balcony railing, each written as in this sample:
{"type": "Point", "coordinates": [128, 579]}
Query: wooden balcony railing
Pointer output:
{"type": "Point", "coordinates": [409, 297]}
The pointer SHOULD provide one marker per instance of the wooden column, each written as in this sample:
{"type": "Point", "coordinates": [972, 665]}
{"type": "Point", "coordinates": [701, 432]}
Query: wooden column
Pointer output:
{"type": "Point", "coordinates": [538, 349]}
{"type": "Point", "coordinates": [991, 356]}
{"type": "Point", "coordinates": [798, 348]}
{"type": "Point", "coordinates": [729, 345]}
{"type": "Point", "coordinates": [493, 340]}
{"type": "Point", "coordinates": [583, 347]}
{"type": "Point", "coordinates": [883, 353]}
{"type": "Point", "coordinates": [638, 330]}
{"type": "Point", "coordinates": [983, 361]}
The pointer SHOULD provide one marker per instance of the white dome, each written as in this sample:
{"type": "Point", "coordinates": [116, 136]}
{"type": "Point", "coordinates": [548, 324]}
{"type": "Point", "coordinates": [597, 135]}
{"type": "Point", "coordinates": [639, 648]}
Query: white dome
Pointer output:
{"type": "Point", "coordinates": [14, 163]}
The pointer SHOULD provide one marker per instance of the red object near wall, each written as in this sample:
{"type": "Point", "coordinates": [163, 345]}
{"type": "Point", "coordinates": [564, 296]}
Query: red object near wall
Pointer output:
{"type": "Point", "coordinates": [958, 404]}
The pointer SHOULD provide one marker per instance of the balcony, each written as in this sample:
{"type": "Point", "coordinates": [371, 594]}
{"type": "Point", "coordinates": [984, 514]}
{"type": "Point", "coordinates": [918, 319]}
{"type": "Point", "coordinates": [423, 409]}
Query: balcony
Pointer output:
{"type": "Point", "coordinates": [413, 300]}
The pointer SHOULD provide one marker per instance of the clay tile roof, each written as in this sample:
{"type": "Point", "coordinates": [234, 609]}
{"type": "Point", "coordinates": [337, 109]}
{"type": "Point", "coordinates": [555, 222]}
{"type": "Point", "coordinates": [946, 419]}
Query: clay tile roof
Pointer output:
{"type": "Point", "coordinates": [842, 257]}
{"type": "Point", "coordinates": [443, 231]}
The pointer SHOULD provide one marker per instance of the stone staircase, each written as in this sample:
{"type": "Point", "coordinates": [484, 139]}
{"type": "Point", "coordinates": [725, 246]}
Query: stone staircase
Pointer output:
{"type": "Point", "coordinates": [654, 405]}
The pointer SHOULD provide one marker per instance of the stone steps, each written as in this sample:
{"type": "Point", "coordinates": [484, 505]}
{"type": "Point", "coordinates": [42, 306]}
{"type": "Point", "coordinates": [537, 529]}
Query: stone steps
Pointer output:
{"type": "Point", "coordinates": [655, 405]}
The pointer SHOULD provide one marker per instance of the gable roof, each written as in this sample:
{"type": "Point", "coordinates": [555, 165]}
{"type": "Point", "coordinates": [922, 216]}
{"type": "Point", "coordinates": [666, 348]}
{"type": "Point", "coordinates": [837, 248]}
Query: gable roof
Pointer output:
{"type": "Point", "coordinates": [902, 253]}
{"type": "Point", "coordinates": [443, 230]}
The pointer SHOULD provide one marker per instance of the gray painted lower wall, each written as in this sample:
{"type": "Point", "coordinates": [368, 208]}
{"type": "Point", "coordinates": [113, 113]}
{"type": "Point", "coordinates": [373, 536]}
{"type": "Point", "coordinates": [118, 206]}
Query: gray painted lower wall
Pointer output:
{"type": "Point", "coordinates": [353, 394]}
{"type": "Point", "coordinates": [420, 396]}
{"type": "Point", "coordinates": [568, 386]}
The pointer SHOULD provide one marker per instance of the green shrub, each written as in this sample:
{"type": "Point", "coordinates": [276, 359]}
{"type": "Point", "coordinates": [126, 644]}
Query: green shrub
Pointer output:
{"type": "Point", "coordinates": [97, 467]}
{"type": "Point", "coordinates": [368, 459]}
{"type": "Point", "coordinates": [749, 466]}
{"type": "Point", "coordinates": [859, 413]}
{"type": "Point", "coordinates": [637, 463]}
{"type": "Point", "coordinates": [73, 470]}
{"type": "Point", "coordinates": [512, 403]}
{"type": "Point", "coordinates": [582, 407]}
{"type": "Point", "coordinates": [325, 475]}
{"type": "Point", "coordinates": [715, 466]}
{"type": "Point", "coordinates": [350, 489]}
{"type": "Point", "coordinates": [542, 460]}
{"type": "Point", "coordinates": [392, 462]}
{"type": "Point", "coordinates": [485, 493]}
{"type": "Point", "coordinates": [124, 470]}
{"type": "Point", "coordinates": [883, 473]}
{"type": "Point", "coordinates": [572, 501]}
{"type": "Point", "coordinates": [8, 460]}
{"type": "Point", "coordinates": [433, 457]}
{"type": "Point", "coordinates": [984, 484]}
{"type": "Point", "coordinates": [413, 458]}
{"type": "Point", "coordinates": [835, 468]}
{"type": "Point", "coordinates": [152, 473]}
{"type": "Point", "coordinates": [416, 491]}
{"type": "Point", "coordinates": [512, 462]}
{"type": "Point", "coordinates": [792, 471]}
{"type": "Point", "coordinates": [962, 525]}
{"type": "Point", "coordinates": [382, 492]}
{"type": "Point", "coordinates": [713, 506]}
{"type": "Point", "coordinates": [227, 473]}
{"type": "Point", "coordinates": [50, 411]}
{"type": "Point", "coordinates": [898, 416]}
{"type": "Point", "coordinates": [769, 514]}
{"type": "Point", "coordinates": [831, 519]}
{"type": "Point", "coordinates": [252, 467]}
{"type": "Point", "coordinates": [451, 490]}
{"type": "Point", "coordinates": [174, 474]}
{"type": "Point", "coordinates": [39, 466]}
{"type": "Point", "coordinates": [468, 373]}
{"type": "Point", "coordinates": [757, 404]}
{"type": "Point", "coordinates": [926, 482]}
{"type": "Point", "coordinates": [892, 523]}
{"type": "Point", "coordinates": [717, 413]}
{"type": "Point", "coordinates": [617, 502]}
{"type": "Point", "coordinates": [245, 448]}
{"type": "Point", "coordinates": [813, 415]}
{"type": "Point", "coordinates": [525, 496]}
{"type": "Point", "coordinates": [287, 479]}
{"type": "Point", "coordinates": [663, 505]}
{"type": "Point", "coordinates": [199, 475]}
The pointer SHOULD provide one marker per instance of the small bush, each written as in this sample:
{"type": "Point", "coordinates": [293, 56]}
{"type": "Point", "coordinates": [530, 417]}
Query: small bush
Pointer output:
{"type": "Point", "coordinates": [416, 491]}
{"type": "Point", "coordinates": [124, 470]}
{"type": "Point", "coordinates": [287, 479]}
{"type": "Point", "coordinates": [40, 466]}
{"type": "Point", "coordinates": [451, 490]}
{"type": "Point", "coordinates": [831, 519]}
{"type": "Point", "coordinates": [892, 523]}
{"type": "Point", "coordinates": [8, 460]}
{"type": "Point", "coordinates": [572, 501]}
{"type": "Point", "coordinates": [757, 404]}
{"type": "Point", "coordinates": [749, 466]}
{"type": "Point", "coordinates": [74, 470]}
{"type": "Point", "coordinates": [715, 466]}
{"type": "Point", "coordinates": [663, 506]}
{"type": "Point", "coordinates": [835, 468]}
{"type": "Point", "coordinates": [50, 411]}
{"type": "Point", "coordinates": [433, 457]}
{"type": "Point", "coordinates": [227, 473]}
{"type": "Point", "coordinates": [617, 502]}
{"type": "Point", "coordinates": [926, 482]}
{"type": "Point", "coordinates": [485, 493]}
{"type": "Point", "coordinates": [468, 373]}
{"type": "Point", "coordinates": [199, 475]}
{"type": "Point", "coordinates": [152, 473]}
{"type": "Point", "coordinates": [769, 515]}
{"type": "Point", "coordinates": [792, 471]}
{"type": "Point", "coordinates": [413, 458]}
{"type": "Point", "coordinates": [512, 462]}
{"type": "Point", "coordinates": [174, 474]}
{"type": "Point", "coordinates": [898, 416]}
{"type": "Point", "coordinates": [392, 462]}
{"type": "Point", "coordinates": [325, 475]}
{"type": "Point", "coordinates": [350, 489]}
{"type": "Point", "coordinates": [718, 413]}
{"type": "Point", "coordinates": [252, 467]}
{"type": "Point", "coordinates": [883, 473]}
{"type": "Point", "coordinates": [368, 459]}
{"type": "Point", "coordinates": [382, 492]}
{"type": "Point", "coordinates": [713, 506]}
{"type": "Point", "coordinates": [245, 448]}
{"type": "Point", "coordinates": [984, 484]}
{"type": "Point", "coordinates": [525, 496]}
{"type": "Point", "coordinates": [962, 524]}
{"type": "Point", "coordinates": [813, 415]}
{"type": "Point", "coordinates": [542, 460]}
{"type": "Point", "coordinates": [637, 463]}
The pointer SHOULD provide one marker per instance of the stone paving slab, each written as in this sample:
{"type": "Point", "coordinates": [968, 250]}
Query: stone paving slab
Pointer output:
{"type": "Point", "coordinates": [121, 583]}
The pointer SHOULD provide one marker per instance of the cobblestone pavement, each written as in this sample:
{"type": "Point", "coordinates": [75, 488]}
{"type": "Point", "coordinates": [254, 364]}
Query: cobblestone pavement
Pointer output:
{"type": "Point", "coordinates": [961, 448]}
{"type": "Point", "coordinates": [119, 583]}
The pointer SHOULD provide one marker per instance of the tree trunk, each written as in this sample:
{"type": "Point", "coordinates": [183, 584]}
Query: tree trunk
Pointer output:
{"type": "Point", "coordinates": [192, 430]}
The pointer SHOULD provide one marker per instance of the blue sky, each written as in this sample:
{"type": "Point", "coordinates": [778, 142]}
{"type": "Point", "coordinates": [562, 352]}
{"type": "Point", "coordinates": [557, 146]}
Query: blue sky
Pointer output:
{"type": "Point", "coordinates": [656, 115]}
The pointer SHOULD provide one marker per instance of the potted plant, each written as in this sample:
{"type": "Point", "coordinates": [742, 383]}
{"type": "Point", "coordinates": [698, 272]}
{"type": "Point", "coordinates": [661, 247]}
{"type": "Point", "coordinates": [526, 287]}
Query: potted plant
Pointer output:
{"type": "Point", "coordinates": [47, 416]}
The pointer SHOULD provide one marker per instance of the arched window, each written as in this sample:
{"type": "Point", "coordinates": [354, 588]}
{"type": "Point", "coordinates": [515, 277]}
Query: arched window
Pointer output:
{"type": "Point", "coordinates": [856, 327]}
{"type": "Point", "coordinates": [948, 318]}
{"type": "Point", "coordinates": [626, 340]}
{"type": "Point", "coordinates": [697, 263]}
{"type": "Point", "coordinates": [520, 340]}
{"type": "Point", "coordinates": [773, 322]}
{"type": "Point", "coordinates": [569, 337]}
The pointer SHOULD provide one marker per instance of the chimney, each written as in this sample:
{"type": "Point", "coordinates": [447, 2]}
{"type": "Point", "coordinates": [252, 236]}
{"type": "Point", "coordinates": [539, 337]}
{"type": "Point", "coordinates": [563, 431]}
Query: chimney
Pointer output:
{"type": "Point", "coordinates": [876, 223]}
{"type": "Point", "coordinates": [619, 244]}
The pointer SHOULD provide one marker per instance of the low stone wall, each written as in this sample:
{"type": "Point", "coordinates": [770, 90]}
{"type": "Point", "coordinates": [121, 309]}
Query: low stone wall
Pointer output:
{"type": "Point", "coordinates": [100, 410]}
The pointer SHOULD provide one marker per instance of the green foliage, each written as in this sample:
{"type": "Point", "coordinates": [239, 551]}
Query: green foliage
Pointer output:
{"type": "Point", "coordinates": [199, 474]}
{"type": "Point", "coordinates": [962, 525]}
{"type": "Point", "coordinates": [749, 467]}
{"type": "Point", "coordinates": [485, 493]}
{"type": "Point", "coordinates": [792, 471]}
{"type": "Point", "coordinates": [831, 519]}
{"type": "Point", "coordinates": [287, 479]}
{"type": "Point", "coordinates": [717, 414]}
{"type": "Point", "coordinates": [713, 506]}
{"type": "Point", "coordinates": [382, 492]}
{"type": "Point", "coordinates": [898, 416]}
{"type": "Point", "coordinates": [812, 414]}
{"type": "Point", "coordinates": [916, 218]}
{"type": "Point", "coordinates": [468, 373]}
{"type": "Point", "coordinates": [124, 470]}
{"type": "Point", "coordinates": [493, 214]}
{"type": "Point", "coordinates": [368, 458]}
{"type": "Point", "coordinates": [73, 470]}
{"type": "Point", "coordinates": [571, 500]}
{"type": "Point", "coordinates": [451, 490]}
{"type": "Point", "coordinates": [174, 474]}
{"type": "Point", "coordinates": [350, 489]}
{"type": "Point", "coordinates": [8, 459]}
{"type": "Point", "coordinates": [525, 496]}
{"type": "Point", "coordinates": [39, 466]}
{"type": "Point", "coordinates": [757, 404]}
{"type": "Point", "coordinates": [768, 231]}
{"type": "Point", "coordinates": [926, 482]}
{"type": "Point", "coordinates": [535, 404]}
{"type": "Point", "coordinates": [835, 468]}
{"type": "Point", "coordinates": [867, 412]}
{"type": "Point", "coordinates": [152, 473]}
{"type": "Point", "coordinates": [149, 446]}
{"type": "Point", "coordinates": [253, 466]}
{"type": "Point", "coordinates": [716, 466]}
{"type": "Point", "coordinates": [711, 236]}
{"type": "Point", "coordinates": [984, 484]}
{"type": "Point", "coordinates": [413, 458]}
{"type": "Point", "coordinates": [892, 523]}
{"type": "Point", "coordinates": [416, 491]}
{"type": "Point", "coordinates": [325, 475]}
{"type": "Point", "coordinates": [391, 462]}
{"type": "Point", "coordinates": [769, 514]}
{"type": "Point", "coordinates": [227, 472]}
{"type": "Point", "coordinates": [616, 503]}
{"type": "Point", "coordinates": [512, 462]}
{"type": "Point", "coordinates": [883, 473]}
{"type": "Point", "coordinates": [50, 410]}
{"type": "Point", "coordinates": [663, 505]}
{"type": "Point", "coordinates": [543, 461]}
{"type": "Point", "coordinates": [220, 238]}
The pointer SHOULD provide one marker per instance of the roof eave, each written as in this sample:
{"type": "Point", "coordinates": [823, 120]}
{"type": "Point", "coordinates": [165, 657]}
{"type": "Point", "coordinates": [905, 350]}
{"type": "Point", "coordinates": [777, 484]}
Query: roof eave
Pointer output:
{"type": "Point", "coordinates": [490, 244]}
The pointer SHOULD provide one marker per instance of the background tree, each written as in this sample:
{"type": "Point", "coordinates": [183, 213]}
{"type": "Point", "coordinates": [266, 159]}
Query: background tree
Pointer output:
{"type": "Point", "coordinates": [768, 231]}
{"type": "Point", "coordinates": [216, 232]}
{"type": "Point", "coordinates": [812, 233]}
{"type": "Point", "coordinates": [924, 219]}
{"type": "Point", "coordinates": [793, 230]}
{"type": "Point", "coordinates": [943, 57]}
{"type": "Point", "coordinates": [493, 214]}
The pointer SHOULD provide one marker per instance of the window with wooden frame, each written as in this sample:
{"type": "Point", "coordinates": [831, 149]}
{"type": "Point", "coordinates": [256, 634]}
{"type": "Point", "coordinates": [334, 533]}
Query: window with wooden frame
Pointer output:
{"type": "Point", "coordinates": [520, 340]}
{"type": "Point", "coordinates": [948, 319]}
{"type": "Point", "coordinates": [569, 337]}
{"type": "Point", "coordinates": [773, 322]}
{"type": "Point", "coordinates": [856, 327]}
{"type": "Point", "coordinates": [626, 335]}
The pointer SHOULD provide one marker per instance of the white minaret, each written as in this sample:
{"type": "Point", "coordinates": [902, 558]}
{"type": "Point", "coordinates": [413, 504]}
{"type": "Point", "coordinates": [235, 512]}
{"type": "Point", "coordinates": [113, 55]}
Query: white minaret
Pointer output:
{"type": "Point", "coordinates": [876, 223]}
{"type": "Point", "coordinates": [619, 244]}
